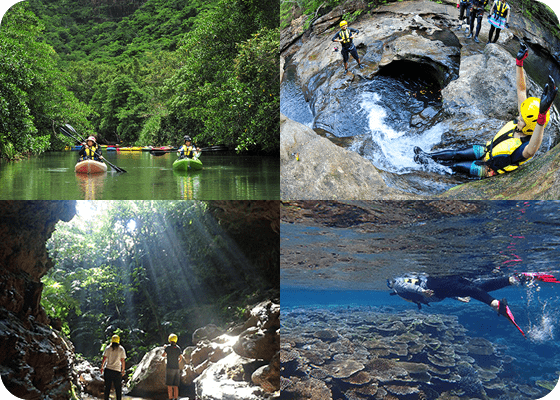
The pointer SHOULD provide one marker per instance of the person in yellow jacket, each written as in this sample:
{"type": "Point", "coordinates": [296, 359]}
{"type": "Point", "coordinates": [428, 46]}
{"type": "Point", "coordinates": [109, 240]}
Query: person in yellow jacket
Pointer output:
{"type": "Point", "coordinates": [345, 36]}
{"type": "Point", "coordinates": [516, 143]}
{"type": "Point", "coordinates": [187, 149]}
{"type": "Point", "coordinates": [499, 19]}
{"type": "Point", "coordinates": [90, 150]}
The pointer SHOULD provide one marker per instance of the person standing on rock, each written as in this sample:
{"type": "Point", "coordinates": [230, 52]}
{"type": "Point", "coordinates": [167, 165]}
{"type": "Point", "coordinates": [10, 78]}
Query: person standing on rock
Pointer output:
{"type": "Point", "coordinates": [345, 36]}
{"type": "Point", "coordinates": [114, 355]}
{"type": "Point", "coordinates": [498, 18]}
{"type": "Point", "coordinates": [476, 11]}
{"type": "Point", "coordinates": [516, 143]}
{"type": "Point", "coordinates": [173, 354]}
{"type": "Point", "coordinates": [464, 14]}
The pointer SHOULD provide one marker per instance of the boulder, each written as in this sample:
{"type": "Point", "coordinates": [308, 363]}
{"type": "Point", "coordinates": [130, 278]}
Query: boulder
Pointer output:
{"type": "Point", "coordinates": [224, 380]}
{"type": "Point", "coordinates": [268, 376]}
{"type": "Point", "coordinates": [207, 332]}
{"type": "Point", "coordinates": [258, 344]}
{"type": "Point", "coordinates": [89, 379]}
{"type": "Point", "coordinates": [313, 167]}
{"type": "Point", "coordinates": [149, 377]}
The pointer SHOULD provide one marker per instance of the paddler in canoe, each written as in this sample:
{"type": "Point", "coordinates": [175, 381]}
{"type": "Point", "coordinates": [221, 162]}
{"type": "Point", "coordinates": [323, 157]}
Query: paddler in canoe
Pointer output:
{"type": "Point", "coordinates": [90, 150]}
{"type": "Point", "coordinates": [187, 150]}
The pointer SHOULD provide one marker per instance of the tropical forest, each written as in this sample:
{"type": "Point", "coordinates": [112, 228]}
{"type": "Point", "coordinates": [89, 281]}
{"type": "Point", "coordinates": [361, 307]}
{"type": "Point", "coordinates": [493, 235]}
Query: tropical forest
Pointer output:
{"type": "Point", "coordinates": [140, 72]}
{"type": "Point", "coordinates": [87, 271]}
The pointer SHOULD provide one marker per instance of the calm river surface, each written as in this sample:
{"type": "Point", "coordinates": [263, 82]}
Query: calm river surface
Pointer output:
{"type": "Point", "coordinates": [225, 176]}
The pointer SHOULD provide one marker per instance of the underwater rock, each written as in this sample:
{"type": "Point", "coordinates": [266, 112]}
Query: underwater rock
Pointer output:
{"type": "Point", "coordinates": [480, 346]}
{"type": "Point", "coordinates": [343, 369]}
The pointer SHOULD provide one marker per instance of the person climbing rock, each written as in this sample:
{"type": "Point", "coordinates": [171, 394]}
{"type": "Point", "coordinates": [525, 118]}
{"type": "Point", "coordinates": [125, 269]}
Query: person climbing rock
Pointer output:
{"type": "Point", "coordinates": [345, 36]}
{"type": "Point", "coordinates": [173, 354]}
{"type": "Point", "coordinates": [498, 18]}
{"type": "Point", "coordinates": [114, 361]}
{"type": "Point", "coordinates": [476, 11]}
{"type": "Point", "coordinates": [90, 150]}
{"type": "Point", "coordinates": [517, 141]}
{"type": "Point", "coordinates": [464, 14]}
{"type": "Point", "coordinates": [423, 289]}
{"type": "Point", "coordinates": [187, 149]}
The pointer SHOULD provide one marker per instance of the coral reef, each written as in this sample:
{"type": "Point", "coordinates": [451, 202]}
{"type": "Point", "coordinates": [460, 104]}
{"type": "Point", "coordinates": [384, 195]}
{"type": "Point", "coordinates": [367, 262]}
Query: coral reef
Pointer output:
{"type": "Point", "coordinates": [369, 353]}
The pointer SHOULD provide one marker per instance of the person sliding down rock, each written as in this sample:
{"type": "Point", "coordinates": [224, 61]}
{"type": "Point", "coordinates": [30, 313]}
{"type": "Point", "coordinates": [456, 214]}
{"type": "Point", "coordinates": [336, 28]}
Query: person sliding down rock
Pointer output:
{"type": "Point", "coordinates": [515, 144]}
{"type": "Point", "coordinates": [424, 289]}
{"type": "Point", "coordinates": [345, 36]}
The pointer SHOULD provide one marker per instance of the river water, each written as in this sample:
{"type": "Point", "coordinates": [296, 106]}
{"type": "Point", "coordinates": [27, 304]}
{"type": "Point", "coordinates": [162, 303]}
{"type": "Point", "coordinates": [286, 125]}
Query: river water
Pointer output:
{"type": "Point", "coordinates": [225, 176]}
{"type": "Point", "coordinates": [327, 270]}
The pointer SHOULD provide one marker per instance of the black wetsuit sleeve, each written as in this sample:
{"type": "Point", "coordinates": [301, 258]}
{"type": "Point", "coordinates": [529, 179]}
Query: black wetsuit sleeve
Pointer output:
{"type": "Point", "coordinates": [337, 36]}
{"type": "Point", "coordinates": [517, 155]}
{"type": "Point", "coordinates": [354, 30]}
{"type": "Point", "coordinates": [82, 151]}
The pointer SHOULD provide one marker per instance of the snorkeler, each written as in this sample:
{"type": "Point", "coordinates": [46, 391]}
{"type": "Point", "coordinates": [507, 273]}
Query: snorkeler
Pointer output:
{"type": "Point", "coordinates": [517, 141]}
{"type": "Point", "coordinates": [424, 289]}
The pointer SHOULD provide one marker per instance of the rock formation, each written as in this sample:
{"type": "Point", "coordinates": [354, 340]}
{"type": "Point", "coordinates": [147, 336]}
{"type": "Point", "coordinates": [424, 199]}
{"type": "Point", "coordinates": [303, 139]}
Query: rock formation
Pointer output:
{"type": "Point", "coordinates": [35, 359]}
{"type": "Point", "coordinates": [238, 366]}
{"type": "Point", "coordinates": [477, 97]}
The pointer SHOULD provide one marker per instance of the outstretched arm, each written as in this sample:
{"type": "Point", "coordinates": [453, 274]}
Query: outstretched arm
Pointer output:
{"type": "Point", "coordinates": [520, 75]}
{"type": "Point", "coordinates": [547, 98]}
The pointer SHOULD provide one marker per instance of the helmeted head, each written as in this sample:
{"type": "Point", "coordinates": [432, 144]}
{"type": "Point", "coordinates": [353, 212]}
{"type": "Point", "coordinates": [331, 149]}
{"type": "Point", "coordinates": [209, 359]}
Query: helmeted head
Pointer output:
{"type": "Point", "coordinates": [530, 114]}
{"type": "Point", "coordinates": [172, 338]}
{"type": "Point", "coordinates": [115, 339]}
{"type": "Point", "coordinates": [91, 138]}
{"type": "Point", "coordinates": [343, 24]}
{"type": "Point", "coordinates": [187, 138]}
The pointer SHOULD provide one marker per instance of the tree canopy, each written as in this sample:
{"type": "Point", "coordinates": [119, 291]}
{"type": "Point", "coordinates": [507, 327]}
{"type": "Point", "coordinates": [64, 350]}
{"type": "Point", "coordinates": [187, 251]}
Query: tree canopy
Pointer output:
{"type": "Point", "coordinates": [148, 268]}
{"type": "Point", "coordinates": [140, 72]}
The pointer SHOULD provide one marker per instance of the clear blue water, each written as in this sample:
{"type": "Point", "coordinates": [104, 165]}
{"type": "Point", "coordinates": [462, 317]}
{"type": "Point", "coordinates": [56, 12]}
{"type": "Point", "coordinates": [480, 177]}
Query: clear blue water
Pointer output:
{"type": "Point", "coordinates": [328, 268]}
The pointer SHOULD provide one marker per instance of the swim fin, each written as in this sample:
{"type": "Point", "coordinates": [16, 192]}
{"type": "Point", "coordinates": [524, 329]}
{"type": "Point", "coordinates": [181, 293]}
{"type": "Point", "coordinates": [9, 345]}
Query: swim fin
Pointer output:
{"type": "Point", "coordinates": [504, 310]}
{"type": "Point", "coordinates": [540, 276]}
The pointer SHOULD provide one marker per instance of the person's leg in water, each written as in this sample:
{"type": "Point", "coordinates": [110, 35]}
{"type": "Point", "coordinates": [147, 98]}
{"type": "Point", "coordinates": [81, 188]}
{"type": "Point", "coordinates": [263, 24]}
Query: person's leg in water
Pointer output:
{"type": "Point", "coordinates": [466, 161]}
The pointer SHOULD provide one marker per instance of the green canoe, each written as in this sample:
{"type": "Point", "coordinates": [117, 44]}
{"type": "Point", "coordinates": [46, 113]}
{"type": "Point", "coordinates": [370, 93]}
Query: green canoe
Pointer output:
{"type": "Point", "coordinates": [187, 164]}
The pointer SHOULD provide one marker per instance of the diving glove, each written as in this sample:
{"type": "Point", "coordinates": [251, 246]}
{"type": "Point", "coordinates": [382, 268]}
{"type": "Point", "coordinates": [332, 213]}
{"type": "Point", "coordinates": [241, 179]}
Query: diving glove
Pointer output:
{"type": "Point", "coordinates": [522, 54]}
{"type": "Point", "coordinates": [547, 97]}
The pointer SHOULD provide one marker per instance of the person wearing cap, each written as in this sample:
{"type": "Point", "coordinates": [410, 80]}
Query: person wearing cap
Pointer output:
{"type": "Point", "coordinates": [113, 364]}
{"type": "Point", "coordinates": [90, 150]}
{"type": "Point", "coordinates": [345, 36]}
{"type": "Point", "coordinates": [187, 149]}
{"type": "Point", "coordinates": [173, 354]}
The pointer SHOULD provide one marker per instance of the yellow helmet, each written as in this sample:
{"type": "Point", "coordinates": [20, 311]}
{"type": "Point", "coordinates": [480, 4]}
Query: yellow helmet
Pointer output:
{"type": "Point", "coordinates": [173, 338]}
{"type": "Point", "coordinates": [530, 114]}
{"type": "Point", "coordinates": [115, 339]}
{"type": "Point", "coordinates": [342, 23]}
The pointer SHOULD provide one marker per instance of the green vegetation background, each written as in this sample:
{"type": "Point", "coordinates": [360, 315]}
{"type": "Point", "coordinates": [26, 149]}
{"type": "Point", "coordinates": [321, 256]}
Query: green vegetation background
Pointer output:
{"type": "Point", "coordinates": [140, 72]}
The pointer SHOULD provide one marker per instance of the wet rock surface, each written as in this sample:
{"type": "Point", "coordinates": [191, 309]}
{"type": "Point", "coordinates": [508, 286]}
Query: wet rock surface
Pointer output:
{"type": "Point", "coordinates": [385, 355]}
{"type": "Point", "coordinates": [35, 359]}
{"type": "Point", "coordinates": [476, 86]}
{"type": "Point", "coordinates": [229, 366]}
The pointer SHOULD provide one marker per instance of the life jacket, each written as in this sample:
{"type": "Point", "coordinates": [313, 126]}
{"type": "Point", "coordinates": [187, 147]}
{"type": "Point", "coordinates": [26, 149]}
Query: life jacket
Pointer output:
{"type": "Point", "coordinates": [501, 9]}
{"type": "Point", "coordinates": [89, 153]}
{"type": "Point", "coordinates": [500, 149]}
{"type": "Point", "coordinates": [187, 151]}
{"type": "Point", "coordinates": [345, 36]}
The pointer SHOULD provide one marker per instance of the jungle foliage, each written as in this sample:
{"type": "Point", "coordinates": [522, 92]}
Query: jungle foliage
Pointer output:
{"type": "Point", "coordinates": [150, 268]}
{"type": "Point", "coordinates": [140, 72]}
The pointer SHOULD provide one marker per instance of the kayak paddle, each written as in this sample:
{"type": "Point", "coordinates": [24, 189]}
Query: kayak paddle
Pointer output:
{"type": "Point", "coordinates": [80, 140]}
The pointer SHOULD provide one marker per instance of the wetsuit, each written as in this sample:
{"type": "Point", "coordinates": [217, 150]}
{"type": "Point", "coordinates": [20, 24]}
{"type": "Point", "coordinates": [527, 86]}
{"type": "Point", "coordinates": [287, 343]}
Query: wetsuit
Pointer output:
{"type": "Point", "coordinates": [476, 11]}
{"type": "Point", "coordinates": [497, 19]}
{"type": "Point", "coordinates": [504, 153]}
{"type": "Point", "coordinates": [173, 373]}
{"type": "Point", "coordinates": [412, 288]}
{"type": "Point", "coordinates": [348, 47]}
{"type": "Point", "coordinates": [90, 153]}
